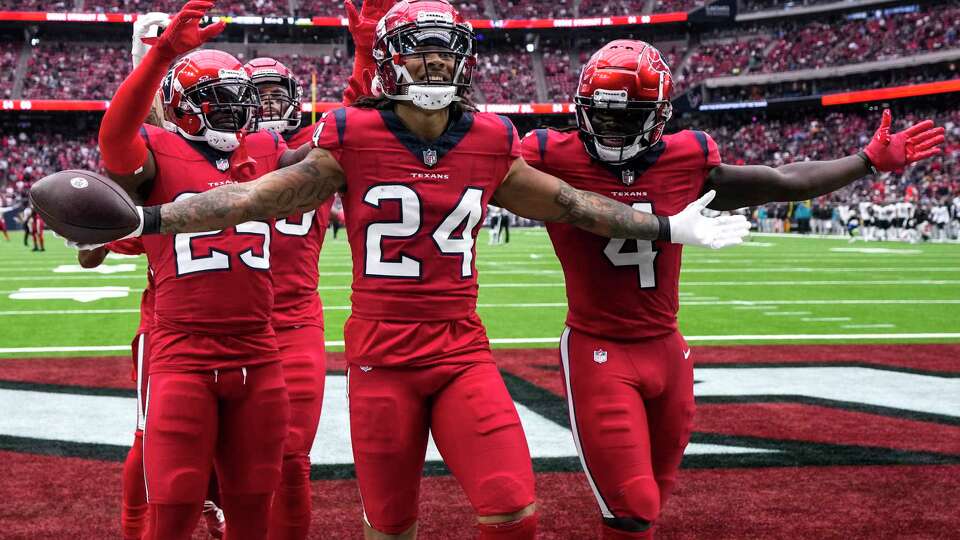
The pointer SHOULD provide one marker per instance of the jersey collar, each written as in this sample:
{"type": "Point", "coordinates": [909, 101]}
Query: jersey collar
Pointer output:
{"type": "Point", "coordinates": [429, 153]}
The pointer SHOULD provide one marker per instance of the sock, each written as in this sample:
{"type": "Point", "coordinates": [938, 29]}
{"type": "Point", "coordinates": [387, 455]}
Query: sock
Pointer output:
{"type": "Point", "coordinates": [521, 529]}
{"type": "Point", "coordinates": [133, 516]}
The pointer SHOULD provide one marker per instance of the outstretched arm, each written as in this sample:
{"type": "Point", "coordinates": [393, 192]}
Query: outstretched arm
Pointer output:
{"type": "Point", "coordinates": [751, 185]}
{"type": "Point", "coordinates": [536, 195]}
{"type": "Point", "coordinates": [297, 188]}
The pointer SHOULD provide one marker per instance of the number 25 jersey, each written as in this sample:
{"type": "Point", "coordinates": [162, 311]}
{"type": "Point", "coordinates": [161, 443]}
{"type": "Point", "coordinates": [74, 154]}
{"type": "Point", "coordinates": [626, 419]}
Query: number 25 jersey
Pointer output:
{"type": "Point", "coordinates": [413, 209]}
{"type": "Point", "coordinates": [623, 289]}
{"type": "Point", "coordinates": [214, 283]}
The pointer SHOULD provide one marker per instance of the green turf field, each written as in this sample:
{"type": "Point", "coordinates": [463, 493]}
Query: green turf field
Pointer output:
{"type": "Point", "coordinates": [774, 289]}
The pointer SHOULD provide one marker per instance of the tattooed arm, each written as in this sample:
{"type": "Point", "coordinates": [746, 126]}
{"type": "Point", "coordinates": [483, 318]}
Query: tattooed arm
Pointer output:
{"type": "Point", "coordinates": [536, 195]}
{"type": "Point", "coordinates": [299, 187]}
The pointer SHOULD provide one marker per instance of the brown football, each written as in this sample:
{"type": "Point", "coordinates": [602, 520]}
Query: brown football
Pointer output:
{"type": "Point", "coordinates": [84, 206]}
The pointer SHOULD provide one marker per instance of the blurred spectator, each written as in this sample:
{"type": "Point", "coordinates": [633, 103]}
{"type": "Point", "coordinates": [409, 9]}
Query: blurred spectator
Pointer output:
{"type": "Point", "coordinates": [9, 55]}
{"type": "Point", "coordinates": [65, 70]}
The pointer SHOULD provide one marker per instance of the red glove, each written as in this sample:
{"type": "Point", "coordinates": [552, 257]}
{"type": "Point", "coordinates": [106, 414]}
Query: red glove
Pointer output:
{"type": "Point", "coordinates": [363, 24]}
{"type": "Point", "coordinates": [363, 29]}
{"type": "Point", "coordinates": [184, 33]}
{"type": "Point", "coordinates": [894, 152]}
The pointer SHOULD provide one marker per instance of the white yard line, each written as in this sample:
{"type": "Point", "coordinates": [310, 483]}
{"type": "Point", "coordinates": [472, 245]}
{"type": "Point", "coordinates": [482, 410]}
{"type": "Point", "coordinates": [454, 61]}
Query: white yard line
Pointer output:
{"type": "Point", "coordinates": [786, 313]}
{"type": "Point", "coordinates": [517, 341]}
{"type": "Point", "coordinates": [825, 319]}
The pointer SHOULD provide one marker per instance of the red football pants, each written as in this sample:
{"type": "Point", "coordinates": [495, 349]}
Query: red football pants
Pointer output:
{"type": "Point", "coordinates": [474, 424]}
{"type": "Point", "coordinates": [631, 412]}
{"type": "Point", "coordinates": [304, 370]}
{"type": "Point", "coordinates": [236, 419]}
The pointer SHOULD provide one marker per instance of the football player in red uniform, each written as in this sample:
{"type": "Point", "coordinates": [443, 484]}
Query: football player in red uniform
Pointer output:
{"type": "Point", "coordinates": [417, 168]}
{"type": "Point", "coordinates": [627, 370]}
{"type": "Point", "coordinates": [297, 311]}
{"type": "Point", "coordinates": [215, 390]}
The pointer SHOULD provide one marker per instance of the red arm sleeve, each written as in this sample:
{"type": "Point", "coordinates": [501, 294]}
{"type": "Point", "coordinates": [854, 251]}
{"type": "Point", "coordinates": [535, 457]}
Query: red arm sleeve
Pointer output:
{"type": "Point", "coordinates": [120, 144]}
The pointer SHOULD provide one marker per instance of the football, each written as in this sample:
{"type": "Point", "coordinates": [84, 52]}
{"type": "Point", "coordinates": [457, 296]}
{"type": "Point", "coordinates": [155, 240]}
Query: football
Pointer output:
{"type": "Point", "coordinates": [84, 206]}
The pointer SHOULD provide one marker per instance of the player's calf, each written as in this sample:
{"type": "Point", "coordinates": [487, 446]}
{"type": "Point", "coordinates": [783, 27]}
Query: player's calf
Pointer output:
{"type": "Point", "coordinates": [626, 528]}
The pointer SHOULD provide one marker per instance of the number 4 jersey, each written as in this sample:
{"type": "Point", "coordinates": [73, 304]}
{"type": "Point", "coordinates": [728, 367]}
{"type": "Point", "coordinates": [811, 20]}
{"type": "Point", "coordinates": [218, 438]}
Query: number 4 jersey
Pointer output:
{"type": "Point", "coordinates": [616, 288]}
{"type": "Point", "coordinates": [214, 291]}
{"type": "Point", "coordinates": [413, 210]}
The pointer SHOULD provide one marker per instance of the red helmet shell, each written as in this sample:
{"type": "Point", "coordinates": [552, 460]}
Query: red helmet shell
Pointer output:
{"type": "Point", "coordinates": [627, 65]}
{"type": "Point", "coordinates": [196, 68]}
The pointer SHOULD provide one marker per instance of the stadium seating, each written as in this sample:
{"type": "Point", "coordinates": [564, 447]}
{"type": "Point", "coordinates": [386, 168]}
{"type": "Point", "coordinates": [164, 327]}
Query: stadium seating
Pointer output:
{"type": "Point", "coordinates": [36, 5]}
{"type": "Point", "coordinates": [332, 74]}
{"type": "Point", "coordinates": [534, 9]}
{"type": "Point", "coordinates": [506, 76]}
{"type": "Point", "coordinates": [669, 6]}
{"type": "Point", "coordinates": [604, 8]}
{"type": "Point", "coordinates": [9, 55]}
{"type": "Point", "coordinates": [75, 70]}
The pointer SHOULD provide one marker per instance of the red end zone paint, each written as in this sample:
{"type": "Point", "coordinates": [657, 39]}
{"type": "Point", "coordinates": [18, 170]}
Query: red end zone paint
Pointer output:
{"type": "Point", "coordinates": [809, 423]}
{"type": "Point", "coordinates": [51, 497]}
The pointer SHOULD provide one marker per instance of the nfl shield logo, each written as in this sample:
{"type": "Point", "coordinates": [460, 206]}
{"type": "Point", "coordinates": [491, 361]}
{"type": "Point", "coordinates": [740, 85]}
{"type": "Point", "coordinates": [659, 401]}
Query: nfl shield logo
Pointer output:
{"type": "Point", "coordinates": [430, 157]}
{"type": "Point", "coordinates": [628, 176]}
{"type": "Point", "coordinates": [599, 356]}
{"type": "Point", "coordinates": [222, 164]}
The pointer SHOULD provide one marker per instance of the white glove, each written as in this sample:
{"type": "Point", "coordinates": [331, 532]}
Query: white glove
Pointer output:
{"type": "Point", "coordinates": [691, 227]}
{"type": "Point", "coordinates": [142, 28]}
{"type": "Point", "coordinates": [90, 247]}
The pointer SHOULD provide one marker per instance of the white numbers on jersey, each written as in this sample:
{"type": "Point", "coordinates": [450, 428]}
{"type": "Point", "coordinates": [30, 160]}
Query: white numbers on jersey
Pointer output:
{"type": "Point", "coordinates": [643, 258]}
{"type": "Point", "coordinates": [217, 260]}
{"type": "Point", "coordinates": [468, 212]}
{"type": "Point", "coordinates": [408, 226]}
{"type": "Point", "coordinates": [296, 229]}
{"type": "Point", "coordinates": [470, 208]}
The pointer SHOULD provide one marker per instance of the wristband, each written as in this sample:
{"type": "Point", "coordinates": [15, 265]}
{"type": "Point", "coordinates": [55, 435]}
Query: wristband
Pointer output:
{"type": "Point", "coordinates": [151, 220]}
{"type": "Point", "coordinates": [866, 161]}
{"type": "Point", "coordinates": [664, 234]}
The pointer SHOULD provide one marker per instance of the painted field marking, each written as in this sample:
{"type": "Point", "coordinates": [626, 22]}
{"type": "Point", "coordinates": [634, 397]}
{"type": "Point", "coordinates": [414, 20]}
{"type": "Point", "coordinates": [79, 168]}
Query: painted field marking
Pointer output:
{"type": "Point", "coordinates": [786, 313]}
{"type": "Point", "coordinates": [825, 319]}
{"type": "Point", "coordinates": [864, 326]}
{"type": "Point", "coordinates": [78, 294]}
{"type": "Point", "coordinates": [877, 251]}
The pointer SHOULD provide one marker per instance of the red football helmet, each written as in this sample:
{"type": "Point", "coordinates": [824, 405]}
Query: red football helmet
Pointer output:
{"type": "Point", "coordinates": [623, 100]}
{"type": "Point", "coordinates": [279, 112]}
{"type": "Point", "coordinates": [209, 97]}
{"type": "Point", "coordinates": [420, 28]}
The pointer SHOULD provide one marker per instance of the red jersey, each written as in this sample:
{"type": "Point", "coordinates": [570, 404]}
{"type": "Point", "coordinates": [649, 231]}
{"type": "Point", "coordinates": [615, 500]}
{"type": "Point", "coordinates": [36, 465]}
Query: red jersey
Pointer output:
{"type": "Point", "coordinates": [616, 288]}
{"type": "Point", "coordinates": [297, 241]}
{"type": "Point", "coordinates": [413, 210]}
{"type": "Point", "coordinates": [214, 289]}
{"type": "Point", "coordinates": [134, 246]}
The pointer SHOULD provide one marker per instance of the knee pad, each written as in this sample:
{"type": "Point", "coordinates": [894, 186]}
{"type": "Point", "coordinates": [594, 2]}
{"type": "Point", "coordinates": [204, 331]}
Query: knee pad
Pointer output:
{"type": "Point", "coordinates": [639, 497]}
{"type": "Point", "coordinates": [503, 494]}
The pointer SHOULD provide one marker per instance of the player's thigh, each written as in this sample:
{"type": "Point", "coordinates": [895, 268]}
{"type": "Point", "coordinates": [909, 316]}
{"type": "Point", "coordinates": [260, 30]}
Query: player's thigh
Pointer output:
{"type": "Point", "coordinates": [670, 414]}
{"type": "Point", "coordinates": [253, 427]}
{"type": "Point", "coordinates": [389, 430]}
{"type": "Point", "coordinates": [604, 389]}
{"type": "Point", "coordinates": [304, 364]}
{"type": "Point", "coordinates": [179, 437]}
{"type": "Point", "coordinates": [478, 432]}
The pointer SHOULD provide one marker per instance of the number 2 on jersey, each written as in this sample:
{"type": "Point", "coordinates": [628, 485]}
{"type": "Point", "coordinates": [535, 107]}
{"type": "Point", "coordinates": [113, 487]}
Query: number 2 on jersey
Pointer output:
{"type": "Point", "coordinates": [187, 263]}
{"type": "Point", "coordinates": [643, 258]}
{"type": "Point", "coordinates": [467, 212]}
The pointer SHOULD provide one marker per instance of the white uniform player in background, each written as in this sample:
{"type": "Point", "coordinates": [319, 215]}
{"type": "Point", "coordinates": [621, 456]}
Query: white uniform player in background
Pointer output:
{"type": "Point", "coordinates": [902, 220]}
{"type": "Point", "coordinates": [955, 213]}
{"type": "Point", "coordinates": [866, 220]}
{"type": "Point", "coordinates": [940, 216]}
